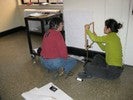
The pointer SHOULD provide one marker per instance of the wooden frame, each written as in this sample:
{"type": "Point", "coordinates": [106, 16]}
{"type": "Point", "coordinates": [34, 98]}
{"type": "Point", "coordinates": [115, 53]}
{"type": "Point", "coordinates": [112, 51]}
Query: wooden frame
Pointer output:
{"type": "Point", "coordinates": [87, 46]}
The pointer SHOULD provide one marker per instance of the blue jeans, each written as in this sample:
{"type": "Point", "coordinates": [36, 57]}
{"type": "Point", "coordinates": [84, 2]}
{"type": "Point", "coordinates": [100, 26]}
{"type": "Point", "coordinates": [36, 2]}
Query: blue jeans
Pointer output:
{"type": "Point", "coordinates": [54, 64]}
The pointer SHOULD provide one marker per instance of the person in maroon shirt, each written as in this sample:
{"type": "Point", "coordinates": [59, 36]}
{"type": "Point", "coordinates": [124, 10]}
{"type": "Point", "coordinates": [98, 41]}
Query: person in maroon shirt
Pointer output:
{"type": "Point", "coordinates": [54, 55]}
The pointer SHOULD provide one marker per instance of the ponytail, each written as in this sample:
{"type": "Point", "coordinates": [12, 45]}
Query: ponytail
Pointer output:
{"type": "Point", "coordinates": [119, 26]}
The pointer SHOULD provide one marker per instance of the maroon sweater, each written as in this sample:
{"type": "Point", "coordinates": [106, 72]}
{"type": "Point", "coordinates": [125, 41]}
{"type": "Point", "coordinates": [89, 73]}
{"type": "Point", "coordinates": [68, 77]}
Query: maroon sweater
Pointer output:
{"type": "Point", "coordinates": [53, 45]}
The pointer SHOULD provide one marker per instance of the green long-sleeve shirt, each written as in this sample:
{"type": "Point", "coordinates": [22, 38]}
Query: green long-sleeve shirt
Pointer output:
{"type": "Point", "coordinates": [111, 44]}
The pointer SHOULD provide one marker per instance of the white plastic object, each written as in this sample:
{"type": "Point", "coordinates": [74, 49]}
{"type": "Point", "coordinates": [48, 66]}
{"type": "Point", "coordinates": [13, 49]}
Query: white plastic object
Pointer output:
{"type": "Point", "coordinates": [79, 79]}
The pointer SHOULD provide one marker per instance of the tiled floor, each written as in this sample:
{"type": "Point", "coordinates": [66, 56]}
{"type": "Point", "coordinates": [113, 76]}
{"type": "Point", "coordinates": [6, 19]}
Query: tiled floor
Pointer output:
{"type": "Point", "coordinates": [18, 74]}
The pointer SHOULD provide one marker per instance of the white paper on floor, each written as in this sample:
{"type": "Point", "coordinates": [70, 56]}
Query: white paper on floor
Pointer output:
{"type": "Point", "coordinates": [45, 93]}
{"type": "Point", "coordinates": [80, 58]}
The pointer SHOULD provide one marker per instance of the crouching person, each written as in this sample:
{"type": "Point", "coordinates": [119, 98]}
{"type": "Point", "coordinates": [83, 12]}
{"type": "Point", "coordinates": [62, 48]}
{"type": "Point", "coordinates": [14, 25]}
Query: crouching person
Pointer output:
{"type": "Point", "coordinates": [109, 67]}
{"type": "Point", "coordinates": [54, 55]}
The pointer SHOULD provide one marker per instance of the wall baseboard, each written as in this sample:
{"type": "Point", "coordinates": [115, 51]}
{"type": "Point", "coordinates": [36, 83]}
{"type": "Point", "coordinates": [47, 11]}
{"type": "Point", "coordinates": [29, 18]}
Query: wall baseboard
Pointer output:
{"type": "Point", "coordinates": [12, 31]}
{"type": "Point", "coordinates": [83, 52]}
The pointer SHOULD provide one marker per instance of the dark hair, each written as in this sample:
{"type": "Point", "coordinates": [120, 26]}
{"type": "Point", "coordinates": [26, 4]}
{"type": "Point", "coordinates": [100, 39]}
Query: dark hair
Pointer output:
{"type": "Point", "coordinates": [54, 22]}
{"type": "Point", "coordinates": [113, 25]}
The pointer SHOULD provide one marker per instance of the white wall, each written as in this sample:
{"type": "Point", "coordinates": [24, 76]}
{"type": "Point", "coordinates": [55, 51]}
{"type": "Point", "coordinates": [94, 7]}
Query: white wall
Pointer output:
{"type": "Point", "coordinates": [129, 43]}
{"type": "Point", "coordinates": [78, 13]}
{"type": "Point", "coordinates": [9, 15]}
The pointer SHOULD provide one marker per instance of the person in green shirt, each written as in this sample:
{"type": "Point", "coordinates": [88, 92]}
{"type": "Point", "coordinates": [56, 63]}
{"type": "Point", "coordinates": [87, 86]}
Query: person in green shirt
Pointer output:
{"type": "Point", "coordinates": [110, 66]}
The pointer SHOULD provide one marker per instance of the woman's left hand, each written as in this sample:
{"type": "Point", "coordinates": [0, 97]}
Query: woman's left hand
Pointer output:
{"type": "Point", "coordinates": [87, 26]}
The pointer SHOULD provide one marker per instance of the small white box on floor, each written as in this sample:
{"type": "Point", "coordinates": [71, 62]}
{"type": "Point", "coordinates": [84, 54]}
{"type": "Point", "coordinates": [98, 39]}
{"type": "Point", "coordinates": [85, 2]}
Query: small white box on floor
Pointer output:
{"type": "Point", "coordinates": [47, 92]}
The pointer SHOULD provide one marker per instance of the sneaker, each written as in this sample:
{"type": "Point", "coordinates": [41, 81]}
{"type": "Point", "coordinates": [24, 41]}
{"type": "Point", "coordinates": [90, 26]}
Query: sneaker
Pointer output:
{"type": "Point", "coordinates": [69, 74]}
{"type": "Point", "coordinates": [61, 71]}
{"type": "Point", "coordinates": [84, 75]}
{"type": "Point", "coordinates": [58, 73]}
